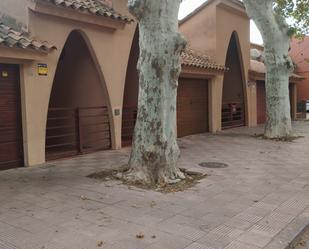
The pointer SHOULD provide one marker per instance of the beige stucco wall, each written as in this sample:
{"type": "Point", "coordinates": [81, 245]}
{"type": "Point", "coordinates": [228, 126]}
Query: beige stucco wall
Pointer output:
{"type": "Point", "coordinates": [31, 85]}
{"type": "Point", "coordinates": [77, 81]}
{"type": "Point", "coordinates": [209, 32]}
{"type": "Point", "coordinates": [109, 48]}
{"type": "Point", "coordinates": [200, 30]}
{"type": "Point", "coordinates": [228, 21]}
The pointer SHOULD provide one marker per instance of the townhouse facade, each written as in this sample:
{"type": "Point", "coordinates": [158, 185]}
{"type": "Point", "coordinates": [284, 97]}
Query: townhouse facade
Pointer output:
{"type": "Point", "coordinates": [69, 84]}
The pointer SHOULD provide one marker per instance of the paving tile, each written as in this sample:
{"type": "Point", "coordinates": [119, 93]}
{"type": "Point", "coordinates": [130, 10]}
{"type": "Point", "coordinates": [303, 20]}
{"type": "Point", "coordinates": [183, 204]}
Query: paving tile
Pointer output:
{"type": "Point", "coordinates": [168, 241]}
{"type": "Point", "coordinates": [239, 224]}
{"type": "Point", "coordinates": [7, 245]}
{"type": "Point", "coordinates": [147, 220]}
{"type": "Point", "coordinates": [254, 239]}
{"type": "Point", "coordinates": [14, 235]}
{"type": "Point", "coordinates": [259, 200]}
{"type": "Point", "coordinates": [240, 245]}
{"type": "Point", "coordinates": [243, 221]}
{"type": "Point", "coordinates": [294, 205]}
{"type": "Point", "coordinates": [181, 230]}
{"type": "Point", "coordinates": [157, 246]}
{"type": "Point", "coordinates": [160, 214]}
{"type": "Point", "coordinates": [289, 233]}
{"type": "Point", "coordinates": [49, 245]}
{"type": "Point", "coordinates": [198, 246]}
{"type": "Point", "coordinates": [220, 237]}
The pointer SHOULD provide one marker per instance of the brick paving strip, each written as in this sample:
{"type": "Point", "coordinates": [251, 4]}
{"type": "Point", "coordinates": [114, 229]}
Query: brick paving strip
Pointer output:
{"type": "Point", "coordinates": [261, 200]}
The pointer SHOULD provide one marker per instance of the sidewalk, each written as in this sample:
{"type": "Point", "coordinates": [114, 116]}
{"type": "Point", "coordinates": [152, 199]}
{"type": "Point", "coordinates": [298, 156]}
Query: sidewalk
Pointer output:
{"type": "Point", "coordinates": [260, 201]}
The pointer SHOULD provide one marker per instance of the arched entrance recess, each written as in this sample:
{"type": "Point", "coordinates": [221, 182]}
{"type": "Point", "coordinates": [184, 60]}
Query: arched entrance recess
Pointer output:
{"type": "Point", "coordinates": [130, 99]}
{"type": "Point", "coordinates": [78, 117]}
{"type": "Point", "coordinates": [233, 98]}
{"type": "Point", "coordinates": [192, 101]}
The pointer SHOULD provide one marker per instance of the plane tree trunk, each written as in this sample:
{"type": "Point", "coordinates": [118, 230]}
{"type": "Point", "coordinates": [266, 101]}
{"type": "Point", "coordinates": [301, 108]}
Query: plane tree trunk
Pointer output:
{"type": "Point", "coordinates": [279, 66]}
{"type": "Point", "coordinates": [155, 150]}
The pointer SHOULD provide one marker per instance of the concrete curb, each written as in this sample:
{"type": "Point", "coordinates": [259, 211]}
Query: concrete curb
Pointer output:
{"type": "Point", "coordinates": [290, 235]}
{"type": "Point", "coordinates": [297, 238]}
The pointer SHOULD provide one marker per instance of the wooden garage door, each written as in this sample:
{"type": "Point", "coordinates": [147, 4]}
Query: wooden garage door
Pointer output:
{"type": "Point", "coordinates": [261, 102]}
{"type": "Point", "coordinates": [192, 107]}
{"type": "Point", "coordinates": [11, 153]}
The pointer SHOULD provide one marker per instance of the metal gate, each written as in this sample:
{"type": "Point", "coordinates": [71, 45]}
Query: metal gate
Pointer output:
{"type": "Point", "coordinates": [129, 115]}
{"type": "Point", "coordinates": [73, 131]}
{"type": "Point", "coordinates": [233, 115]}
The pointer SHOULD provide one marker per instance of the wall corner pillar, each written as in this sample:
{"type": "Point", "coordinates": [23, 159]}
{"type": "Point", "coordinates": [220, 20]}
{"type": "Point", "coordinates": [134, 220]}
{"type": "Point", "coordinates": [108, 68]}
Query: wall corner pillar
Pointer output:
{"type": "Point", "coordinates": [35, 91]}
{"type": "Point", "coordinates": [117, 117]}
{"type": "Point", "coordinates": [215, 103]}
{"type": "Point", "coordinates": [252, 104]}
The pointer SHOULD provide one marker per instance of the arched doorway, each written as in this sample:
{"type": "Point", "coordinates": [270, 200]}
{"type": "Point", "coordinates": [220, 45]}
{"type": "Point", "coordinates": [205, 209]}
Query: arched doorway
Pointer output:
{"type": "Point", "coordinates": [192, 101]}
{"type": "Point", "coordinates": [78, 117]}
{"type": "Point", "coordinates": [233, 97]}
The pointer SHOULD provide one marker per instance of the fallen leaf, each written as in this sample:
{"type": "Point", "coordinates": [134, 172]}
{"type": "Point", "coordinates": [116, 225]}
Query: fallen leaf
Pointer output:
{"type": "Point", "coordinates": [153, 204]}
{"type": "Point", "coordinates": [100, 243]}
{"type": "Point", "coordinates": [140, 236]}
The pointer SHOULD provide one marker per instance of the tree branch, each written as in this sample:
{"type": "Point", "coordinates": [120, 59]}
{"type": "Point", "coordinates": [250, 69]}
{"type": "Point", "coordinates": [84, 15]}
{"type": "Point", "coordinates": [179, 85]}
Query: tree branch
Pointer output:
{"type": "Point", "coordinates": [137, 7]}
{"type": "Point", "coordinates": [268, 22]}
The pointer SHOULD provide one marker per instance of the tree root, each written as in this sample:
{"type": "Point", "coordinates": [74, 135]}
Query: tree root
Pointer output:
{"type": "Point", "coordinates": [183, 180]}
{"type": "Point", "coordinates": [290, 138]}
{"type": "Point", "coordinates": [144, 177]}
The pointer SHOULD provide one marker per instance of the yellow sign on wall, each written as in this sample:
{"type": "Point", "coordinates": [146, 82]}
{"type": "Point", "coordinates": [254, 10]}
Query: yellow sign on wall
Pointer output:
{"type": "Point", "coordinates": [42, 69]}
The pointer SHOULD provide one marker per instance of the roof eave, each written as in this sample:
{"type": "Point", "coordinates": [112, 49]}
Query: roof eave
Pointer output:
{"type": "Point", "coordinates": [254, 75]}
{"type": "Point", "coordinates": [197, 10]}
{"type": "Point", "coordinates": [50, 9]}
{"type": "Point", "coordinates": [199, 72]}
{"type": "Point", "coordinates": [14, 53]}
{"type": "Point", "coordinates": [231, 5]}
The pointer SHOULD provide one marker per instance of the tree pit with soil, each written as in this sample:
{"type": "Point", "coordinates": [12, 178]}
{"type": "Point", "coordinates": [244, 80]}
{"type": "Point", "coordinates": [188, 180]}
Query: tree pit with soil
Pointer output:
{"type": "Point", "coordinates": [192, 178]}
{"type": "Point", "coordinates": [288, 139]}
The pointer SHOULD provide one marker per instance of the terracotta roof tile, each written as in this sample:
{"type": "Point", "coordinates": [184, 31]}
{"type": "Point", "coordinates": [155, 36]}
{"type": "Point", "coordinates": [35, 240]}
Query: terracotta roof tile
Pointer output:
{"type": "Point", "coordinates": [14, 39]}
{"type": "Point", "coordinates": [95, 7]}
{"type": "Point", "coordinates": [194, 59]}
{"type": "Point", "coordinates": [259, 68]}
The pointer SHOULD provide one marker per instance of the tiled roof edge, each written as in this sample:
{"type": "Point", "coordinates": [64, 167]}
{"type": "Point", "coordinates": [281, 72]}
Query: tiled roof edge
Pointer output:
{"type": "Point", "coordinates": [15, 39]}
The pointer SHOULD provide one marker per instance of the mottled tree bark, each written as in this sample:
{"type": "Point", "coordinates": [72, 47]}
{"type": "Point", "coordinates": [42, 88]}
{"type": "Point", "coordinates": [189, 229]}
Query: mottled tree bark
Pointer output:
{"type": "Point", "coordinates": [155, 151]}
{"type": "Point", "coordinates": [278, 64]}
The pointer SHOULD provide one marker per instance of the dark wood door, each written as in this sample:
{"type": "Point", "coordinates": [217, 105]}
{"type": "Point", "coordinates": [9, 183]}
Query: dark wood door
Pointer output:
{"type": "Point", "coordinates": [192, 107]}
{"type": "Point", "coordinates": [261, 102]}
{"type": "Point", "coordinates": [11, 145]}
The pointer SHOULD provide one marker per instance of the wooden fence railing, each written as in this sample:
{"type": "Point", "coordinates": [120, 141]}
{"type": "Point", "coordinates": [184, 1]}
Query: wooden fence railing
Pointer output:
{"type": "Point", "coordinates": [233, 115]}
{"type": "Point", "coordinates": [129, 115]}
{"type": "Point", "coordinates": [72, 131]}
{"type": "Point", "coordinates": [301, 110]}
